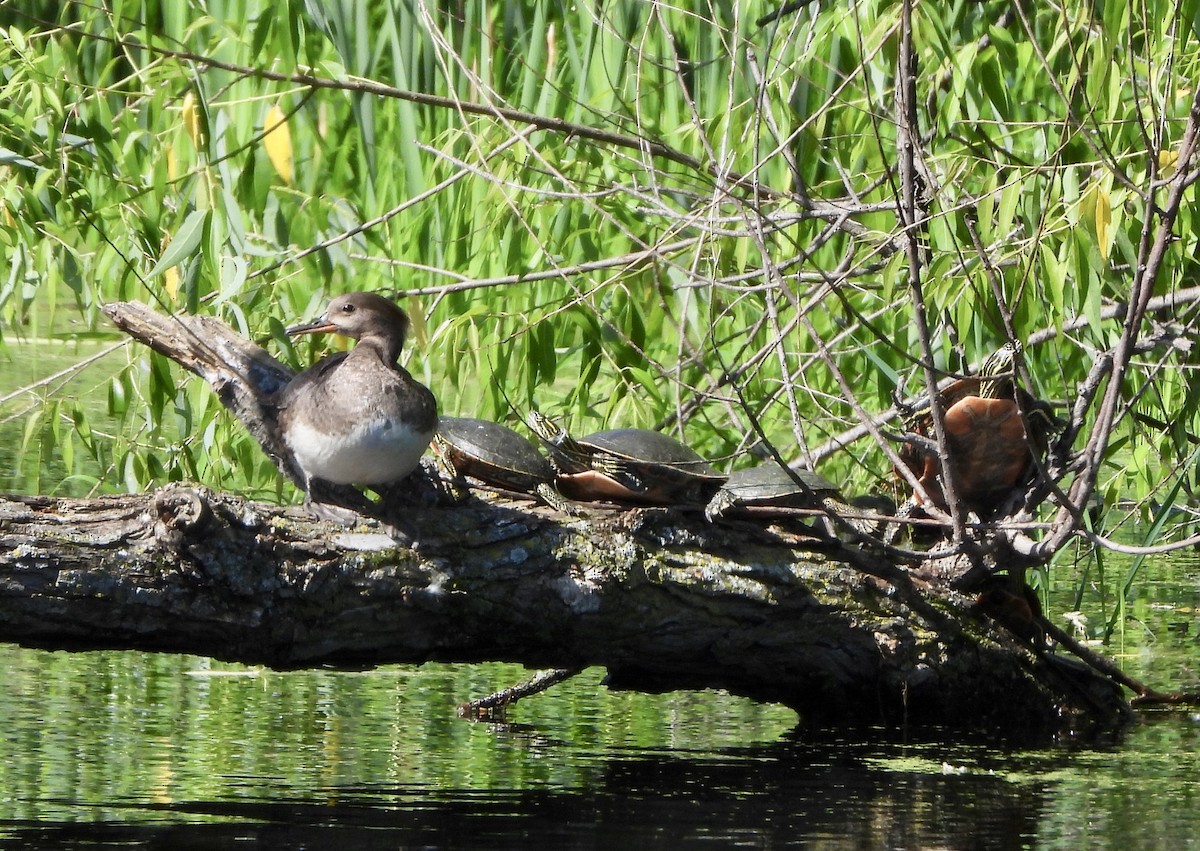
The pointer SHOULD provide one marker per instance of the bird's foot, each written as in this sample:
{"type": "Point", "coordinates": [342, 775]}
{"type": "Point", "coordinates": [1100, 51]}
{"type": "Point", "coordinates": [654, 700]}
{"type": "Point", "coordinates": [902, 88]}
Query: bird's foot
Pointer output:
{"type": "Point", "coordinates": [332, 513]}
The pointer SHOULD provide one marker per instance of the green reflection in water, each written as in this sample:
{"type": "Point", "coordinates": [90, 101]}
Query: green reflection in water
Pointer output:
{"type": "Point", "coordinates": [89, 734]}
{"type": "Point", "coordinates": [1143, 793]}
{"type": "Point", "coordinates": [130, 739]}
{"type": "Point", "coordinates": [34, 402]}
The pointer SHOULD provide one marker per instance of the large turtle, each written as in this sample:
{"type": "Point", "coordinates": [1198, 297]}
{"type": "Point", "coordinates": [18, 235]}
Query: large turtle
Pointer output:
{"type": "Point", "coordinates": [990, 446]}
{"type": "Point", "coordinates": [627, 465]}
{"type": "Point", "coordinates": [495, 455]}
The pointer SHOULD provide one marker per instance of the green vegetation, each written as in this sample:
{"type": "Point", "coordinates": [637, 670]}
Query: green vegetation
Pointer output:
{"type": "Point", "coordinates": [624, 213]}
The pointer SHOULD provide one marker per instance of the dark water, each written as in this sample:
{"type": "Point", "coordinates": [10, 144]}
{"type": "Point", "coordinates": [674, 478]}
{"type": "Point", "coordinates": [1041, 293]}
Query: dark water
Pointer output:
{"type": "Point", "coordinates": [134, 750]}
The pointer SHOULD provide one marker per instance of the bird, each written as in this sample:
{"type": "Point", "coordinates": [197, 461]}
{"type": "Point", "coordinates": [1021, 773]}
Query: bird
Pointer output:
{"type": "Point", "coordinates": [357, 417]}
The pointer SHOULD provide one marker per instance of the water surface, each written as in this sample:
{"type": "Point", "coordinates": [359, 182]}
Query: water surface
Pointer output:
{"type": "Point", "coordinates": [148, 750]}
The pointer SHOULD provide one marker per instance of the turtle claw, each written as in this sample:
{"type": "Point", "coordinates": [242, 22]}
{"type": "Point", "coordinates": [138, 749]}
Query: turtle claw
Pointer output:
{"type": "Point", "coordinates": [719, 505]}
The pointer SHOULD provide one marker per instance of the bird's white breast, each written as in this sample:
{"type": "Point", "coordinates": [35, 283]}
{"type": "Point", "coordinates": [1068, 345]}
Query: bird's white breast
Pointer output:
{"type": "Point", "coordinates": [375, 451]}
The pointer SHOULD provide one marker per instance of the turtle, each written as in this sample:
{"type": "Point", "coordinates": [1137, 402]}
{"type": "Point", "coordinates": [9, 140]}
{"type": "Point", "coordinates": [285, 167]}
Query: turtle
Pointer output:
{"type": "Point", "coordinates": [771, 485]}
{"type": "Point", "coordinates": [990, 446]}
{"type": "Point", "coordinates": [627, 465]}
{"type": "Point", "coordinates": [495, 455]}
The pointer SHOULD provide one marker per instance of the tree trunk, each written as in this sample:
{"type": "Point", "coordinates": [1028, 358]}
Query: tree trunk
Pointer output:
{"type": "Point", "coordinates": [659, 597]}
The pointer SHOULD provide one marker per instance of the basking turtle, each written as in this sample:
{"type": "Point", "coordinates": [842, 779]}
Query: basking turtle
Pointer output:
{"type": "Point", "coordinates": [496, 455]}
{"type": "Point", "coordinates": [771, 485]}
{"type": "Point", "coordinates": [989, 446]}
{"type": "Point", "coordinates": [627, 465]}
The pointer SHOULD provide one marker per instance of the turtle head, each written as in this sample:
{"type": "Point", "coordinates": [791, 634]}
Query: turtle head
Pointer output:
{"type": "Point", "coordinates": [567, 455]}
{"type": "Point", "coordinates": [998, 369]}
{"type": "Point", "coordinates": [547, 430]}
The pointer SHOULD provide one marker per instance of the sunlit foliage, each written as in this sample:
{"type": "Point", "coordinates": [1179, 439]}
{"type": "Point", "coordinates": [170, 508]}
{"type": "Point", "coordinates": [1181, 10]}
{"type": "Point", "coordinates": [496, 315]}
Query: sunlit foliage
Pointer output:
{"type": "Point", "coordinates": [623, 213]}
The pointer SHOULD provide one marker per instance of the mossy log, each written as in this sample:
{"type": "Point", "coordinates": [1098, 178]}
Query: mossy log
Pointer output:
{"type": "Point", "coordinates": [661, 598]}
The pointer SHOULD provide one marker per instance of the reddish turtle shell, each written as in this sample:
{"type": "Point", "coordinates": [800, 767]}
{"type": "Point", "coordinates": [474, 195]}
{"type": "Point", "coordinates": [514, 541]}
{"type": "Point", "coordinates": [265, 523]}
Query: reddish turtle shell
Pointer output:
{"type": "Point", "coordinates": [988, 447]}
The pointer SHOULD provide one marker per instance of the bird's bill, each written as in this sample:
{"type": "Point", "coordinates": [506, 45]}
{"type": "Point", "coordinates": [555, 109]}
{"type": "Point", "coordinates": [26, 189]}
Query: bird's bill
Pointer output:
{"type": "Point", "coordinates": [320, 325]}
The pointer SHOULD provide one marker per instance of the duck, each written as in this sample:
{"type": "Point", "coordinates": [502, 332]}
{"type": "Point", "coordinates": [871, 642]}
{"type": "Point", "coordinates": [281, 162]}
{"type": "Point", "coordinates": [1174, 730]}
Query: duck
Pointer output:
{"type": "Point", "coordinates": [357, 417]}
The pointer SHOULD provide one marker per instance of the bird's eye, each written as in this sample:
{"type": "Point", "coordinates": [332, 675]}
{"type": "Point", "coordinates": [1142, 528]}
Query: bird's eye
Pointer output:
{"type": "Point", "coordinates": [347, 308]}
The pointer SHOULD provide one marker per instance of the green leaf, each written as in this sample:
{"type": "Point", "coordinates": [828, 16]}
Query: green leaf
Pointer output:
{"type": "Point", "coordinates": [233, 277]}
{"type": "Point", "coordinates": [183, 245]}
{"type": "Point", "coordinates": [1055, 278]}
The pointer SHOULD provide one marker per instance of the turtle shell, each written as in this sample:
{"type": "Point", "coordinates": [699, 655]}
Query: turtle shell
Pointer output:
{"type": "Point", "coordinates": [629, 465]}
{"type": "Point", "coordinates": [988, 446]}
{"type": "Point", "coordinates": [645, 466]}
{"type": "Point", "coordinates": [492, 453]}
{"type": "Point", "coordinates": [650, 447]}
{"type": "Point", "coordinates": [771, 485]}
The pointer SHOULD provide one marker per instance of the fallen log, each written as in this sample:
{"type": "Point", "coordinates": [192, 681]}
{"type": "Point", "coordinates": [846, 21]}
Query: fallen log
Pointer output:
{"type": "Point", "coordinates": [659, 597]}
{"type": "Point", "coordinates": [661, 600]}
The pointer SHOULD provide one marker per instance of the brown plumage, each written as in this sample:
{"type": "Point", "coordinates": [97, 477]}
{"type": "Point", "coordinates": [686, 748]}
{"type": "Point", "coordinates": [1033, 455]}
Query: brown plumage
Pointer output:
{"type": "Point", "coordinates": [358, 418]}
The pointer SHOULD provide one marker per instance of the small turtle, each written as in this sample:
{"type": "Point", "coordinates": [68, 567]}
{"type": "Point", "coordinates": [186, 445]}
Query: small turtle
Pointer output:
{"type": "Point", "coordinates": [496, 455]}
{"type": "Point", "coordinates": [988, 446]}
{"type": "Point", "coordinates": [627, 465]}
{"type": "Point", "coordinates": [772, 485]}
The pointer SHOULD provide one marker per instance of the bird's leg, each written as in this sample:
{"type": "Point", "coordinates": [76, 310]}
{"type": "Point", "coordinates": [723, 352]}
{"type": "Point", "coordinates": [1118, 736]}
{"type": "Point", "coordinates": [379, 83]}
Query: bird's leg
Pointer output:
{"type": "Point", "coordinates": [337, 504]}
{"type": "Point", "coordinates": [421, 489]}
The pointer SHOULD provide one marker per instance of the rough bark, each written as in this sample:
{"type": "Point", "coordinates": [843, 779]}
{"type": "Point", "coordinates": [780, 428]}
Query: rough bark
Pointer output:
{"type": "Point", "coordinates": [659, 597]}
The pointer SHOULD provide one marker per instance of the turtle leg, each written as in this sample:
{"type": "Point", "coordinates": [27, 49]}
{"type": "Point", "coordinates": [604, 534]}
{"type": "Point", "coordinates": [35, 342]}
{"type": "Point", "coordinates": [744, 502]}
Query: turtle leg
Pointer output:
{"type": "Point", "coordinates": [835, 517]}
{"type": "Point", "coordinates": [455, 483]}
{"type": "Point", "coordinates": [556, 500]}
{"type": "Point", "coordinates": [841, 511]}
{"type": "Point", "coordinates": [619, 470]}
{"type": "Point", "coordinates": [891, 531]}
{"type": "Point", "coordinates": [719, 505]}
{"type": "Point", "coordinates": [873, 503]}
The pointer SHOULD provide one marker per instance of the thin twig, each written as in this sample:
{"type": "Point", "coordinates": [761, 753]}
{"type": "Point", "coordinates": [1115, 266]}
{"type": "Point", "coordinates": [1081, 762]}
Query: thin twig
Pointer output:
{"type": "Point", "coordinates": [1152, 250]}
{"type": "Point", "coordinates": [913, 217]}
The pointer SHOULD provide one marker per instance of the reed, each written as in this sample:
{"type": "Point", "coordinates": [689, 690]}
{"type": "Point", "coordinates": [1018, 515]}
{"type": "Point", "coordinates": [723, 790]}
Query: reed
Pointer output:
{"type": "Point", "coordinates": [626, 213]}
